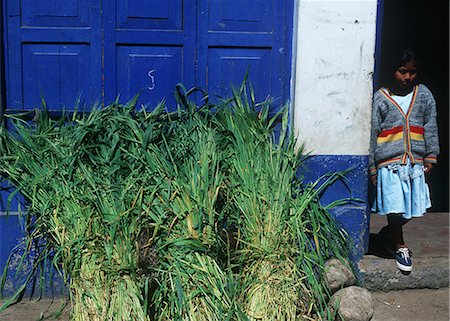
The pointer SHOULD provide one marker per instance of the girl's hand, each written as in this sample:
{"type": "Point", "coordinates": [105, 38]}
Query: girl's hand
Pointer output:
{"type": "Point", "coordinates": [428, 167]}
{"type": "Point", "coordinates": [373, 178]}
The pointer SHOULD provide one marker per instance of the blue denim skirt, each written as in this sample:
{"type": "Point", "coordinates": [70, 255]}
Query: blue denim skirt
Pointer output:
{"type": "Point", "coordinates": [401, 189]}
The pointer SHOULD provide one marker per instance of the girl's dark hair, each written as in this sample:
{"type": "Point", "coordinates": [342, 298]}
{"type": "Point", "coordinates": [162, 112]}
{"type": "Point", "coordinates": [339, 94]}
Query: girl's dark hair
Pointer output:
{"type": "Point", "coordinates": [402, 58]}
{"type": "Point", "coordinates": [392, 61]}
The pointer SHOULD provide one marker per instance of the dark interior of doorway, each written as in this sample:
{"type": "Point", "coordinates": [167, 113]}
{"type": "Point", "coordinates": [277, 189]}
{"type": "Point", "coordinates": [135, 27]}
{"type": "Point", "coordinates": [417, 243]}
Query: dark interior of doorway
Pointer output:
{"type": "Point", "coordinates": [424, 25]}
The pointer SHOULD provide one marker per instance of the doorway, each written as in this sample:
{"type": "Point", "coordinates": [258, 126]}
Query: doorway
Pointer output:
{"type": "Point", "coordinates": [424, 25]}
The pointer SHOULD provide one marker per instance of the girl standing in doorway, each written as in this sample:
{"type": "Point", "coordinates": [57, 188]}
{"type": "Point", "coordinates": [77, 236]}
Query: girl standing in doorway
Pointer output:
{"type": "Point", "coordinates": [404, 147]}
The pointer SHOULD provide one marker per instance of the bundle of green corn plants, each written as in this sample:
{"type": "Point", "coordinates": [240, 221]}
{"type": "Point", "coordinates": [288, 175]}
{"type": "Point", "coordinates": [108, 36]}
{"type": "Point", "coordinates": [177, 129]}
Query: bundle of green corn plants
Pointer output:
{"type": "Point", "coordinates": [285, 234]}
{"type": "Point", "coordinates": [88, 183]}
{"type": "Point", "coordinates": [193, 284]}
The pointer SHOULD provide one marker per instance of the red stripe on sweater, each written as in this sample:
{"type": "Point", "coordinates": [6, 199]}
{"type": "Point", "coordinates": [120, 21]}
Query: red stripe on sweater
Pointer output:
{"type": "Point", "coordinates": [391, 131]}
{"type": "Point", "coordinates": [417, 130]}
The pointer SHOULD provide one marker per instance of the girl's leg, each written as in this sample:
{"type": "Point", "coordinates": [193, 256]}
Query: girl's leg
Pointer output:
{"type": "Point", "coordinates": [395, 228]}
{"type": "Point", "coordinates": [402, 254]}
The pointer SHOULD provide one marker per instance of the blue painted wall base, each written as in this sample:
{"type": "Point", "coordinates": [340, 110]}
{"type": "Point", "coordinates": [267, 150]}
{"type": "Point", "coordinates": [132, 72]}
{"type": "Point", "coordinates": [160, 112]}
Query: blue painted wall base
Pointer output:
{"type": "Point", "coordinates": [11, 248]}
{"type": "Point", "coordinates": [12, 234]}
{"type": "Point", "coordinates": [354, 216]}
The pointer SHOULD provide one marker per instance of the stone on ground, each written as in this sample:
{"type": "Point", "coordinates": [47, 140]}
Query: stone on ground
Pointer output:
{"type": "Point", "coordinates": [338, 275]}
{"type": "Point", "coordinates": [353, 304]}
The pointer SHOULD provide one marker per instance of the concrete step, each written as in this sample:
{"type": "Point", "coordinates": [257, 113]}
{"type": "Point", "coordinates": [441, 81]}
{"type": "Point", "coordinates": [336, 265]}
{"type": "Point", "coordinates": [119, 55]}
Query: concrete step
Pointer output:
{"type": "Point", "coordinates": [380, 274]}
{"type": "Point", "coordinates": [427, 237]}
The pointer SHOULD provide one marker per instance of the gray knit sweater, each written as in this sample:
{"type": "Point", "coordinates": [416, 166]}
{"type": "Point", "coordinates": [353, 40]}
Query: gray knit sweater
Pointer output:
{"type": "Point", "coordinates": [396, 136]}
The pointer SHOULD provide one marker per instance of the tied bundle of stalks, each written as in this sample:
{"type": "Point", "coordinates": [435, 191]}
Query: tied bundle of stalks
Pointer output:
{"type": "Point", "coordinates": [192, 283]}
{"type": "Point", "coordinates": [260, 180]}
{"type": "Point", "coordinates": [280, 222]}
{"type": "Point", "coordinates": [89, 185]}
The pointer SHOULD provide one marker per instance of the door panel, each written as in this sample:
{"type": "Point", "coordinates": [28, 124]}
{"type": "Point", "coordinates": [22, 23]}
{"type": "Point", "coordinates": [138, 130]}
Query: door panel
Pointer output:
{"type": "Point", "coordinates": [236, 36]}
{"type": "Point", "coordinates": [50, 13]}
{"type": "Point", "coordinates": [53, 52]}
{"type": "Point", "coordinates": [55, 73]}
{"type": "Point", "coordinates": [149, 48]}
{"type": "Point", "coordinates": [153, 72]}
{"type": "Point", "coordinates": [150, 14]}
{"type": "Point", "coordinates": [241, 15]}
{"type": "Point", "coordinates": [228, 66]}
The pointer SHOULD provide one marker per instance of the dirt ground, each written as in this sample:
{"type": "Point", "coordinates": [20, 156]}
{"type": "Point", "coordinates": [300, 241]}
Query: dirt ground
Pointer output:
{"type": "Point", "coordinates": [32, 310]}
{"type": "Point", "coordinates": [412, 305]}
{"type": "Point", "coordinates": [406, 305]}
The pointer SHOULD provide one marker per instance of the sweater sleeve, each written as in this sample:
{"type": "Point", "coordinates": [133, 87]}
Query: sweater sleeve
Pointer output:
{"type": "Point", "coordinates": [431, 136]}
{"type": "Point", "coordinates": [375, 129]}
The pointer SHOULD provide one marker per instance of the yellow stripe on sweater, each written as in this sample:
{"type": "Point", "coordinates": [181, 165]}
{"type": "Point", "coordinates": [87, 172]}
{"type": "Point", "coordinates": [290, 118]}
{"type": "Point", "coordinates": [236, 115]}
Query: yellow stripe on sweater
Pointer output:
{"type": "Point", "coordinates": [390, 138]}
{"type": "Point", "coordinates": [416, 136]}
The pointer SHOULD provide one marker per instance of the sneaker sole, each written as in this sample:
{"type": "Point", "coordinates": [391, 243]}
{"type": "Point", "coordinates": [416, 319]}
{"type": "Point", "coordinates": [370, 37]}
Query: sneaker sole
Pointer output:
{"type": "Point", "coordinates": [404, 267]}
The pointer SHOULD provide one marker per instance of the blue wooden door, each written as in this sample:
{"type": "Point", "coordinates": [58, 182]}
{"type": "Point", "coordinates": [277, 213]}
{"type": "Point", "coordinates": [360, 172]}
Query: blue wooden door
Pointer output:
{"type": "Point", "coordinates": [92, 50]}
{"type": "Point", "coordinates": [52, 52]}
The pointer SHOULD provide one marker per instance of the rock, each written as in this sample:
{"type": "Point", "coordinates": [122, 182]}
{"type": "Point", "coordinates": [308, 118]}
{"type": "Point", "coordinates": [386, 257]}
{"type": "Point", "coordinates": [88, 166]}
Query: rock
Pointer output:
{"type": "Point", "coordinates": [352, 304]}
{"type": "Point", "coordinates": [337, 275]}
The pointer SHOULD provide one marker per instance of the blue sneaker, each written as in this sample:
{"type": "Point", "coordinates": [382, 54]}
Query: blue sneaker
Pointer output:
{"type": "Point", "coordinates": [403, 259]}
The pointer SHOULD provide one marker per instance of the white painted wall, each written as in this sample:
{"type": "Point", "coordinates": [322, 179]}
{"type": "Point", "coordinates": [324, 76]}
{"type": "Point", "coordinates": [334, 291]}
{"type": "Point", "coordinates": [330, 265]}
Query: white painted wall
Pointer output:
{"type": "Point", "coordinates": [333, 75]}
